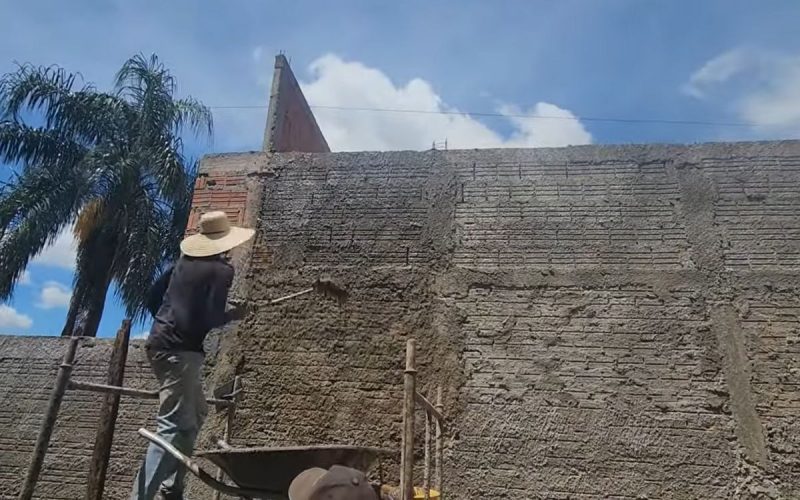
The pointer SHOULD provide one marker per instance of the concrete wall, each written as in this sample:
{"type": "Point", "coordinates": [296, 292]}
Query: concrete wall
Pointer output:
{"type": "Point", "coordinates": [613, 321]}
{"type": "Point", "coordinates": [28, 367]}
{"type": "Point", "coordinates": [606, 321]}
{"type": "Point", "coordinates": [291, 125]}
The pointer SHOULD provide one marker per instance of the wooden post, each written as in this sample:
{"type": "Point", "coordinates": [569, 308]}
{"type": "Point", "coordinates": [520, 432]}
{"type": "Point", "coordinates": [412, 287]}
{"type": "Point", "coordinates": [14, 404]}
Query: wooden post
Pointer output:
{"type": "Point", "coordinates": [439, 442]}
{"type": "Point", "coordinates": [237, 384]}
{"type": "Point", "coordinates": [46, 430]}
{"type": "Point", "coordinates": [108, 415]}
{"type": "Point", "coordinates": [426, 479]}
{"type": "Point", "coordinates": [407, 450]}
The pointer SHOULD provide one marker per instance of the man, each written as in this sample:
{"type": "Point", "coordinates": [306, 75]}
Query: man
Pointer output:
{"type": "Point", "coordinates": [337, 483]}
{"type": "Point", "coordinates": [187, 301]}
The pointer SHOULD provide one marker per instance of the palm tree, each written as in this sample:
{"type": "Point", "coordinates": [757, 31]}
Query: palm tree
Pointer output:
{"type": "Point", "coordinates": [110, 165]}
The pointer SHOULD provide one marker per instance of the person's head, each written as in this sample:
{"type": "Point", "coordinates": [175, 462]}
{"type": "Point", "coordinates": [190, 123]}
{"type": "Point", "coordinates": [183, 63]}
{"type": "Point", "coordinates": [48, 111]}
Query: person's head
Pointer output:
{"type": "Point", "coordinates": [336, 483]}
{"type": "Point", "coordinates": [216, 237]}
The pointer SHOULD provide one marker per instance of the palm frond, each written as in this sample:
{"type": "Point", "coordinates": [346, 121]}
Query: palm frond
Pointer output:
{"type": "Point", "coordinates": [149, 86]}
{"type": "Point", "coordinates": [83, 115]}
{"type": "Point", "coordinates": [89, 116]}
{"type": "Point", "coordinates": [33, 88]}
{"type": "Point", "coordinates": [40, 146]}
{"type": "Point", "coordinates": [164, 166]}
{"type": "Point", "coordinates": [191, 113]}
{"type": "Point", "coordinates": [140, 74]}
{"type": "Point", "coordinates": [32, 213]}
{"type": "Point", "coordinates": [24, 242]}
{"type": "Point", "coordinates": [140, 253]}
{"type": "Point", "coordinates": [112, 163]}
{"type": "Point", "coordinates": [40, 190]}
{"type": "Point", "coordinates": [181, 209]}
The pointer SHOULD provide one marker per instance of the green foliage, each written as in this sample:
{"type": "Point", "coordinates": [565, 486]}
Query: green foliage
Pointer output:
{"type": "Point", "coordinates": [111, 164]}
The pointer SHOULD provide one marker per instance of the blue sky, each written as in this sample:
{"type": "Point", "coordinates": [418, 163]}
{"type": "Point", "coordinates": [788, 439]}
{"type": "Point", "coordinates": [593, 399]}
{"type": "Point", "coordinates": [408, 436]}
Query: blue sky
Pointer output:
{"type": "Point", "coordinates": [723, 61]}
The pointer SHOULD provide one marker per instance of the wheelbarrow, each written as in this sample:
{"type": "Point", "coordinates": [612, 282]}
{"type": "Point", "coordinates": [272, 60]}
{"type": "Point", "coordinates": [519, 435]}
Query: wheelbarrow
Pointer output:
{"type": "Point", "coordinates": [266, 473]}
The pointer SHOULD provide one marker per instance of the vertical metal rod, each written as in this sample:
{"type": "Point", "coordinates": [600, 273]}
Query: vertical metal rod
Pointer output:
{"type": "Point", "coordinates": [46, 430]}
{"type": "Point", "coordinates": [237, 384]}
{"type": "Point", "coordinates": [108, 415]}
{"type": "Point", "coordinates": [426, 479]}
{"type": "Point", "coordinates": [439, 442]}
{"type": "Point", "coordinates": [407, 450]}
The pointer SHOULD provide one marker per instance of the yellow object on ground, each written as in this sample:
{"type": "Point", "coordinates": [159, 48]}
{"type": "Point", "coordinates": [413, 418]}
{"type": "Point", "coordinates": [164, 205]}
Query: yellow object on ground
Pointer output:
{"type": "Point", "coordinates": [393, 493]}
{"type": "Point", "coordinates": [419, 494]}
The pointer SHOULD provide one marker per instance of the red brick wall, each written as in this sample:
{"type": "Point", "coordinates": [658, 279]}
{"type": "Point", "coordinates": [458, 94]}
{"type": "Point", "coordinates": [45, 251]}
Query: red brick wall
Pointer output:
{"type": "Point", "coordinates": [219, 187]}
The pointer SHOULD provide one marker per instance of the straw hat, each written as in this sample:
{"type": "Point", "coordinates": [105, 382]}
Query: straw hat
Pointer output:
{"type": "Point", "coordinates": [216, 236]}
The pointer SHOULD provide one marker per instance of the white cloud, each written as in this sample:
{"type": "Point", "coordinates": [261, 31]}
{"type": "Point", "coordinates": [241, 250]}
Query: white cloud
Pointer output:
{"type": "Point", "coordinates": [717, 70]}
{"type": "Point", "coordinates": [761, 87]}
{"type": "Point", "coordinates": [54, 295]}
{"type": "Point", "coordinates": [560, 128]}
{"type": "Point", "coordinates": [141, 335]}
{"type": "Point", "coordinates": [336, 82]}
{"type": "Point", "coordinates": [61, 253]}
{"type": "Point", "coordinates": [10, 318]}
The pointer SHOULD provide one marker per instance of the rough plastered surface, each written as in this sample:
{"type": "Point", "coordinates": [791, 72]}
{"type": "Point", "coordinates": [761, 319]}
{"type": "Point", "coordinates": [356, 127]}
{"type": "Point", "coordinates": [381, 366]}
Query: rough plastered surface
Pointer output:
{"type": "Point", "coordinates": [28, 367]}
{"type": "Point", "coordinates": [608, 322]}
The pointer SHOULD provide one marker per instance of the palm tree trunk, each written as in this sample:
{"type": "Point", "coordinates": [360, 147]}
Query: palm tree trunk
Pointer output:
{"type": "Point", "coordinates": [94, 312]}
{"type": "Point", "coordinates": [72, 314]}
{"type": "Point", "coordinates": [91, 287]}
{"type": "Point", "coordinates": [85, 312]}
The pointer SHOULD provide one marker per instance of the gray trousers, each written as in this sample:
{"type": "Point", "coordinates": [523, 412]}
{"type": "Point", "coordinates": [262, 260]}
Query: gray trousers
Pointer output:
{"type": "Point", "coordinates": [182, 410]}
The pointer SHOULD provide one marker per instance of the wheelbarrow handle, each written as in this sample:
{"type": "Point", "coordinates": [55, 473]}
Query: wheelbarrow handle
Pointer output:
{"type": "Point", "coordinates": [204, 476]}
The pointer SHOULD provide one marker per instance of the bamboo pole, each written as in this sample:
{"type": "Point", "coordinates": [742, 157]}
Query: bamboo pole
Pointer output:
{"type": "Point", "coordinates": [50, 416]}
{"type": "Point", "coordinates": [407, 449]}
{"type": "Point", "coordinates": [108, 415]}
{"type": "Point", "coordinates": [137, 393]}
{"type": "Point", "coordinates": [426, 479]}
{"type": "Point", "coordinates": [439, 442]}
{"type": "Point", "coordinates": [429, 407]}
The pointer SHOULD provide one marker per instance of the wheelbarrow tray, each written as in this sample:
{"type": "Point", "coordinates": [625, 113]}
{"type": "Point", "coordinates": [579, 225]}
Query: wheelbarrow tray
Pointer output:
{"type": "Point", "coordinates": [273, 469]}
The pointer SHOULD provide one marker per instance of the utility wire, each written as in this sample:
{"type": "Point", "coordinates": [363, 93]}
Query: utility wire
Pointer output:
{"type": "Point", "coordinates": [512, 115]}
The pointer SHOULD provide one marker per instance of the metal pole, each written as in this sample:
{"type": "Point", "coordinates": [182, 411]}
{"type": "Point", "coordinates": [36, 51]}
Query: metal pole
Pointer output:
{"type": "Point", "coordinates": [108, 415]}
{"type": "Point", "coordinates": [237, 384]}
{"type": "Point", "coordinates": [407, 450]}
{"type": "Point", "coordinates": [439, 442]}
{"type": "Point", "coordinates": [46, 430]}
{"type": "Point", "coordinates": [202, 475]}
{"type": "Point", "coordinates": [426, 480]}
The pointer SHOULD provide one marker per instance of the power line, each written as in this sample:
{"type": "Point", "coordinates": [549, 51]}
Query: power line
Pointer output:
{"type": "Point", "coordinates": [514, 115]}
